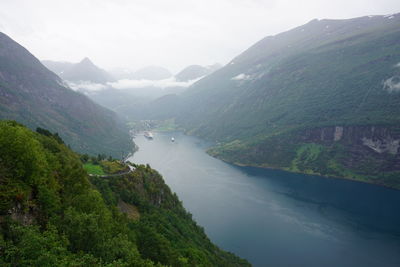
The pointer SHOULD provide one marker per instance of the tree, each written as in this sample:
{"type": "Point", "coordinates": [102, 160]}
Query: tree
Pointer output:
{"type": "Point", "coordinates": [84, 158]}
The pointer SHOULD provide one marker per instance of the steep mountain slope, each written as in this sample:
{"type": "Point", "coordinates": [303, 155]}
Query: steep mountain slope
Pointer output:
{"type": "Point", "coordinates": [195, 71]}
{"type": "Point", "coordinates": [125, 103]}
{"type": "Point", "coordinates": [51, 214]}
{"type": "Point", "coordinates": [84, 70]}
{"type": "Point", "coordinates": [58, 67]}
{"type": "Point", "coordinates": [35, 96]}
{"type": "Point", "coordinates": [320, 98]}
{"type": "Point", "coordinates": [133, 103]}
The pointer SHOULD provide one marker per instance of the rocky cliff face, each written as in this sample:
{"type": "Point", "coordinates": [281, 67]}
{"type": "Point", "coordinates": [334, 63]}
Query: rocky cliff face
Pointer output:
{"type": "Point", "coordinates": [362, 143]}
{"type": "Point", "coordinates": [378, 138]}
{"type": "Point", "coordinates": [365, 153]}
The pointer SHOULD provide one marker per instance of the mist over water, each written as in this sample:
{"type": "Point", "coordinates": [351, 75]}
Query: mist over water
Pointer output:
{"type": "Point", "coordinates": [275, 218]}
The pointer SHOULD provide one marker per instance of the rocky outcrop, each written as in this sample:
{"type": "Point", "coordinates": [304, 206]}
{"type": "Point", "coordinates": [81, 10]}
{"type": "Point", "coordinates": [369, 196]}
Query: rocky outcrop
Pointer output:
{"type": "Point", "coordinates": [363, 153]}
{"type": "Point", "coordinates": [378, 138]}
{"type": "Point", "coordinates": [378, 145]}
{"type": "Point", "coordinates": [338, 133]}
{"type": "Point", "coordinates": [388, 145]}
{"type": "Point", "coordinates": [130, 210]}
{"type": "Point", "coordinates": [20, 214]}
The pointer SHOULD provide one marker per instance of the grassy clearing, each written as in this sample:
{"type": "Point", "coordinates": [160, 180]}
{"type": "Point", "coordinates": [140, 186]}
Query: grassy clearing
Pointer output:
{"type": "Point", "coordinates": [166, 126]}
{"type": "Point", "coordinates": [105, 167]}
{"type": "Point", "coordinates": [93, 169]}
{"type": "Point", "coordinates": [306, 155]}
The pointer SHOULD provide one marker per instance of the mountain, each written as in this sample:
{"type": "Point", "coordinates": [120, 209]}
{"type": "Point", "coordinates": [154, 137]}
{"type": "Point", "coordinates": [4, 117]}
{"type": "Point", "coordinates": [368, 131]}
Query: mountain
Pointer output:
{"type": "Point", "coordinates": [321, 98]}
{"type": "Point", "coordinates": [126, 103]}
{"type": "Point", "coordinates": [143, 98]}
{"type": "Point", "coordinates": [193, 72]}
{"type": "Point", "coordinates": [82, 71]}
{"type": "Point", "coordinates": [36, 97]}
{"type": "Point", "coordinates": [153, 73]}
{"type": "Point", "coordinates": [53, 213]}
{"type": "Point", "coordinates": [58, 67]}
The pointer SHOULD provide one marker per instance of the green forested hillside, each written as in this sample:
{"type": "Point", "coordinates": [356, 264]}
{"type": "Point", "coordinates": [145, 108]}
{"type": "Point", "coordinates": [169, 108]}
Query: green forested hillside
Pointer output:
{"type": "Point", "coordinates": [51, 214]}
{"type": "Point", "coordinates": [326, 72]}
{"type": "Point", "coordinates": [36, 97]}
{"type": "Point", "coordinates": [314, 78]}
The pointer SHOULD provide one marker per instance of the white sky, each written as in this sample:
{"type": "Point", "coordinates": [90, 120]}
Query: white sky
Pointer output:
{"type": "Point", "coordinates": [169, 33]}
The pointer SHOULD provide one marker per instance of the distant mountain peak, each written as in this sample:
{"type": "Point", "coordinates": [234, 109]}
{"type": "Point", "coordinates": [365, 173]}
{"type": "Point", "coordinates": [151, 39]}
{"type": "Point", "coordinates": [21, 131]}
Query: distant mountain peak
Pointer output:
{"type": "Point", "coordinates": [86, 60]}
{"type": "Point", "coordinates": [193, 72]}
{"type": "Point", "coordinates": [85, 70]}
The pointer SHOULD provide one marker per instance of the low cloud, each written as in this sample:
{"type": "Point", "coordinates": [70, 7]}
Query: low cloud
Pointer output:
{"type": "Point", "coordinates": [87, 86]}
{"type": "Point", "coordinates": [392, 84]}
{"type": "Point", "coordinates": [166, 83]}
{"type": "Point", "coordinates": [126, 84]}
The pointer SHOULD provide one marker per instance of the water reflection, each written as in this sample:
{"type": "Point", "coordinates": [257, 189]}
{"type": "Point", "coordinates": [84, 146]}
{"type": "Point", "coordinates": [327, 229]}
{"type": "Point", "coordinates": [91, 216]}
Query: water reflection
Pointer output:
{"type": "Point", "coordinates": [368, 205]}
{"type": "Point", "coordinates": [275, 218]}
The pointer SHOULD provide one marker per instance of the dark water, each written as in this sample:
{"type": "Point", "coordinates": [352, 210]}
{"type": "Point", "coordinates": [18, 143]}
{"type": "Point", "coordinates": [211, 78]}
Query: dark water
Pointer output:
{"type": "Point", "coordinates": [275, 218]}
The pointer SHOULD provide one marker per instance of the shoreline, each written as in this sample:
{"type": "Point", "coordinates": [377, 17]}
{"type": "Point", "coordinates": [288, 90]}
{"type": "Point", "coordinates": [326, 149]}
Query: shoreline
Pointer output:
{"type": "Point", "coordinates": [238, 164]}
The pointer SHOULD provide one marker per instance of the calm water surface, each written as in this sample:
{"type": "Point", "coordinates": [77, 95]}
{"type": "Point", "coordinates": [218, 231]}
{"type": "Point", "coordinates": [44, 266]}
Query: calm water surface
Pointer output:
{"type": "Point", "coordinates": [275, 218]}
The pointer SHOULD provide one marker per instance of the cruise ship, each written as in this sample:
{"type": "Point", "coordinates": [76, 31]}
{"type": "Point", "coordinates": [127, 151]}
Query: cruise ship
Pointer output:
{"type": "Point", "coordinates": [148, 135]}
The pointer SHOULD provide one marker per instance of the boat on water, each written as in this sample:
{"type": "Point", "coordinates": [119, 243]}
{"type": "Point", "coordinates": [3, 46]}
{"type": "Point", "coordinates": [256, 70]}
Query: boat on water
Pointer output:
{"type": "Point", "coordinates": [172, 139]}
{"type": "Point", "coordinates": [148, 135]}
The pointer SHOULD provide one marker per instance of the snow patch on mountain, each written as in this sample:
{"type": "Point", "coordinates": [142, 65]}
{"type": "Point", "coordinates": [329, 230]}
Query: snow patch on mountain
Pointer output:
{"type": "Point", "coordinates": [389, 16]}
{"type": "Point", "coordinates": [241, 77]}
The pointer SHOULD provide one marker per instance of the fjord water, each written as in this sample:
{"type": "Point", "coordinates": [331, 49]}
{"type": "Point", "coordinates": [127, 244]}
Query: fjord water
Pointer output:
{"type": "Point", "coordinates": [275, 218]}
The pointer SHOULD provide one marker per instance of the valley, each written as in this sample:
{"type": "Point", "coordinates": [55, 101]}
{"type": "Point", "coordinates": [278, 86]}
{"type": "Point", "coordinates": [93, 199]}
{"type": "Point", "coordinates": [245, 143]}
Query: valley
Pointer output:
{"type": "Point", "coordinates": [318, 99]}
{"type": "Point", "coordinates": [128, 144]}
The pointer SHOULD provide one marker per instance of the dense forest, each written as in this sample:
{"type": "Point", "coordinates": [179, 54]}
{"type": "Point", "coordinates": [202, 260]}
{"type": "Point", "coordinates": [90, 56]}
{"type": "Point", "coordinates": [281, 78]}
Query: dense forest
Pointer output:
{"type": "Point", "coordinates": [52, 213]}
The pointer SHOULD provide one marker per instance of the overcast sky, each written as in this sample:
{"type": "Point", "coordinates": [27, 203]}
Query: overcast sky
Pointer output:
{"type": "Point", "coordinates": [169, 33]}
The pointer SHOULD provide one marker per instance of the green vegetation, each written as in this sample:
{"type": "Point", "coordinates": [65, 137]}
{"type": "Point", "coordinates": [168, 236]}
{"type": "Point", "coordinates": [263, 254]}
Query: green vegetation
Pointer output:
{"type": "Point", "coordinates": [93, 169]}
{"type": "Point", "coordinates": [113, 167]}
{"type": "Point", "coordinates": [52, 215]}
{"type": "Point", "coordinates": [166, 126]}
{"type": "Point", "coordinates": [306, 154]}
{"type": "Point", "coordinates": [297, 152]}
{"type": "Point", "coordinates": [262, 108]}
{"type": "Point", "coordinates": [35, 96]}
{"type": "Point", "coordinates": [160, 125]}
{"type": "Point", "coordinates": [100, 166]}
